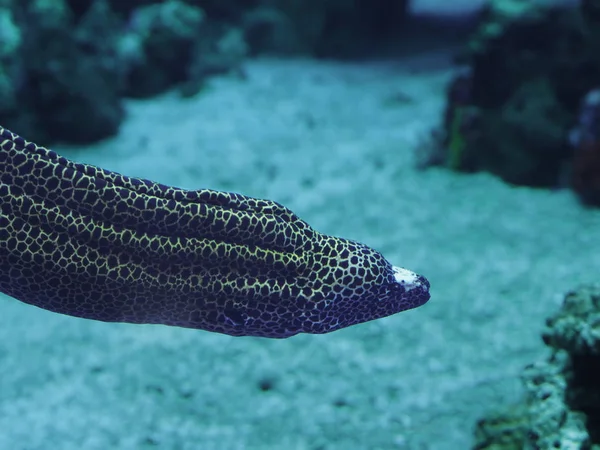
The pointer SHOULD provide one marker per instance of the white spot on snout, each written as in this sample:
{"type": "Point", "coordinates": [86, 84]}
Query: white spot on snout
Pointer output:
{"type": "Point", "coordinates": [406, 278]}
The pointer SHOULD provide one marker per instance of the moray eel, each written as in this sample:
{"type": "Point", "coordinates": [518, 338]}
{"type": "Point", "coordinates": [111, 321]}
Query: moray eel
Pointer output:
{"type": "Point", "coordinates": [86, 242]}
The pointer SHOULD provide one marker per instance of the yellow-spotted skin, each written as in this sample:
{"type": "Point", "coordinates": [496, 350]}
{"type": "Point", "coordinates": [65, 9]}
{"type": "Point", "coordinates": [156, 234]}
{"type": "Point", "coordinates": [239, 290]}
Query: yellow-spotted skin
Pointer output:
{"type": "Point", "coordinates": [83, 241]}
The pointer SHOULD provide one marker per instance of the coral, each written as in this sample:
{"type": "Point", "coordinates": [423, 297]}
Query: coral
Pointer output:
{"type": "Point", "coordinates": [66, 65]}
{"type": "Point", "coordinates": [56, 80]}
{"type": "Point", "coordinates": [10, 42]}
{"type": "Point", "coordinates": [585, 140]}
{"type": "Point", "coordinates": [560, 409]}
{"type": "Point", "coordinates": [529, 65]}
{"type": "Point", "coordinates": [460, 120]}
{"type": "Point", "coordinates": [524, 140]}
{"type": "Point", "coordinates": [326, 28]}
{"type": "Point", "coordinates": [158, 45]}
{"type": "Point", "coordinates": [223, 53]}
{"type": "Point", "coordinates": [553, 422]}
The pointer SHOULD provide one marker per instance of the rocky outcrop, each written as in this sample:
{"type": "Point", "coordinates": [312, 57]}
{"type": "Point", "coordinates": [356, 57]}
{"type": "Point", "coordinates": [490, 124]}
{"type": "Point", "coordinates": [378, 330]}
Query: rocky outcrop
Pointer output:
{"type": "Point", "coordinates": [561, 409]}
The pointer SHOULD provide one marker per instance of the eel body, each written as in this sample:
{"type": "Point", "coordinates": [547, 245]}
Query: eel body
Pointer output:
{"type": "Point", "coordinates": [87, 242]}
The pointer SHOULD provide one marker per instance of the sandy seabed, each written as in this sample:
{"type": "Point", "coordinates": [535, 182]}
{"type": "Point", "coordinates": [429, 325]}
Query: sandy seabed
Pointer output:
{"type": "Point", "coordinates": [335, 143]}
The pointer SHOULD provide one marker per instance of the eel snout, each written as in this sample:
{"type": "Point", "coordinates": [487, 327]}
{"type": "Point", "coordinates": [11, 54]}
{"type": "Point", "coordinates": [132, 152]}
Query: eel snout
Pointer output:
{"type": "Point", "coordinates": [411, 280]}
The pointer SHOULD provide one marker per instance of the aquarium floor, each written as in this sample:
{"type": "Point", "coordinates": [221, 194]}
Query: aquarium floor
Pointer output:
{"type": "Point", "coordinates": [336, 143]}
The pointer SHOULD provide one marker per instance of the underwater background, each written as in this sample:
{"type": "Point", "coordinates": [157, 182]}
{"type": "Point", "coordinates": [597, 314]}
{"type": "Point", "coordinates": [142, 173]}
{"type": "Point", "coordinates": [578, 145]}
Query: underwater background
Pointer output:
{"type": "Point", "coordinates": [462, 142]}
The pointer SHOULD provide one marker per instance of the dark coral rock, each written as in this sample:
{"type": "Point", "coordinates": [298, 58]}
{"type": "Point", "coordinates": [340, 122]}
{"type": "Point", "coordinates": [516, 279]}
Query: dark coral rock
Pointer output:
{"type": "Point", "coordinates": [157, 47]}
{"type": "Point", "coordinates": [330, 28]}
{"type": "Point", "coordinates": [66, 64]}
{"type": "Point", "coordinates": [230, 11]}
{"type": "Point", "coordinates": [98, 34]}
{"type": "Point", "coordinates": [356, 28]}
{"type": "Point", "coordinates": [585, 172]}
{"type": "Point", "coordinates": [220, 10]}
{"type": "Point", "coordinates": [524, 140]}
{"type": "Point", "coordinates": [63, 93]}
{"type": "Point", "coordinates": [585, 141]}
{"type": "Point", "coordinates": [122, 7]}
{"type": "Point", "coordinates": [69, 93]}
{"type": "Point", "coordinates": [317, 27]}
{"type": "Point", "coordinates": [224, 52]}
{"type": "Point", "coordinates": [591, 11]}
{"type": "Point", "coordinates": [575, 329]}
{"type": "Point", "coordinates": [530, 66]}
{"type": "Point", "coordinates": [11, 64]}
{"type": "Point", "coordinates": [561, 409]}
